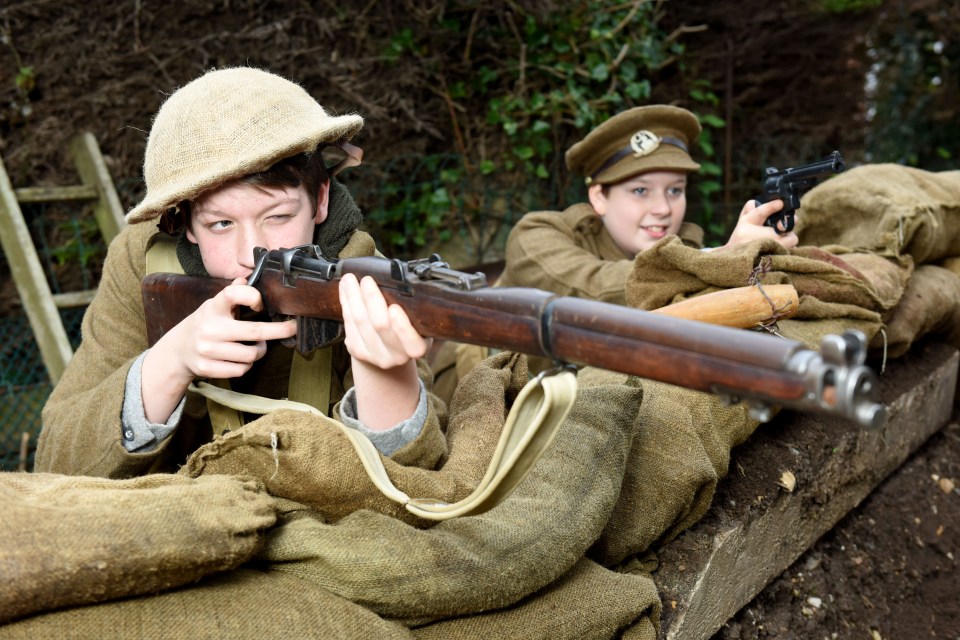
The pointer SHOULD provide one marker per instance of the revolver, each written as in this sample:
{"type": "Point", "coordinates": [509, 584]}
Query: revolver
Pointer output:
{"type": "Point", "coordinates": [790, 184]}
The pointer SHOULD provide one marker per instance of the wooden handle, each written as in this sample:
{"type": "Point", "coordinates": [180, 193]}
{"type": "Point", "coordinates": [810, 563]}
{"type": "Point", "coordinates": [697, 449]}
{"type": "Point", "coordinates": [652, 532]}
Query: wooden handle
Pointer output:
{"type": "Point", "coordinates": [742, 308]}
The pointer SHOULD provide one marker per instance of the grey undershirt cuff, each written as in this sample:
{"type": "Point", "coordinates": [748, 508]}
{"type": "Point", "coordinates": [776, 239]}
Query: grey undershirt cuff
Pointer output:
{"type": "Point", "coordinates": [392, 440]}
{"type": "Point", "coordinates": [141, 436]}
{"type": "Point", "coordinates": [137, 434]}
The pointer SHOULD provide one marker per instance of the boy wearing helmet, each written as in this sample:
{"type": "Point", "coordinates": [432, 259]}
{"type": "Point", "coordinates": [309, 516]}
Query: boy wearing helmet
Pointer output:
{"type": "Point", "coordinates": [635, 166]}
{"type": "Point", "coordinates": [234, 161]}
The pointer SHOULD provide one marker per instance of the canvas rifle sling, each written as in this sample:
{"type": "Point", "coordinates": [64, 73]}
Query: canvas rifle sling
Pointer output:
{"type": "Point", "coordinates": [531, 425]}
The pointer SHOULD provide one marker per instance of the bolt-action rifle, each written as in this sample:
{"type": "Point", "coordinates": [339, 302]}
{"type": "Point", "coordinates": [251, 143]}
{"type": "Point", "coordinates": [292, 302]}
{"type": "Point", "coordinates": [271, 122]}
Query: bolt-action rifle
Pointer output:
{"type": "Point", "coordinates": [447, 304]}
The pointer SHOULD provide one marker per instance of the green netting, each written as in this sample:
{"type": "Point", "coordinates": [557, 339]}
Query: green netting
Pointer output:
{"type": "Point", "coordinates": [24, 386]}
{"type": "Point", "coordinates": [70, 251]}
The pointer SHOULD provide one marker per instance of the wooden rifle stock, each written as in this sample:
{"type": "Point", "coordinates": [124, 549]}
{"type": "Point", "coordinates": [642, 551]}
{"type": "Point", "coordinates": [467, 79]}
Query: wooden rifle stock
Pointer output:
{"type": "Point", "coordinates": [452, 305]}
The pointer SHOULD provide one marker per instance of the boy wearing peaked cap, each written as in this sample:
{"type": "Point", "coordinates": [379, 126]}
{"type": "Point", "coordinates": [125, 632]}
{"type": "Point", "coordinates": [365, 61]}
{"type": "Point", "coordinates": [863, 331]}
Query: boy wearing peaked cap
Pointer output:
{"type": "Point", "coordinates": [234, 160]}
{"type": "Point", "coordinates": [636, 166]}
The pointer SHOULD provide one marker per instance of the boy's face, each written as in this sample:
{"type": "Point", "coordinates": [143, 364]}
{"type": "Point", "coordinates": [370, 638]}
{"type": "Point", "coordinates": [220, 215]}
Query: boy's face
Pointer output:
{"type": "Point", "coordinates": [230, 222]}
{"type": "Point", "coordinates": [642, 209]}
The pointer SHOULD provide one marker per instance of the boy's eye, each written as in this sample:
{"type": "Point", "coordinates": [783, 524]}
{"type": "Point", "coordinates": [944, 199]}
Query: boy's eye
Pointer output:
{"type": "Point", "coordinates": [640, 191]}
{"type": "Point", "coordinates": [219, 224]}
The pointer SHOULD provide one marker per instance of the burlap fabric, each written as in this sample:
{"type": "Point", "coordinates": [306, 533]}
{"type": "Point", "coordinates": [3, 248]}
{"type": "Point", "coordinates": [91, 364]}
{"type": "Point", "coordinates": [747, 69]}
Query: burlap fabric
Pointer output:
{"type": "Point", "coordinates": [518, 566]}
{"type": "Point", "coordinates": [69, 540]}
{"type": "Point", "coordinates": [316, 466]}
{"type": "Point", "coordinates": [628, 601]}
{"type": "Point", "coordinates": [896, 217]}
{"type": "Point", "coordinates": [476, 563]}
{"type": "Point", "coordinates": [897, 212]}
{"type": "Point", "coordinates": [680, 451]}
{"type": "Point", "coordinates": [886, 209]}
{"type": "Point", "coordinates": [239, 604]}
{"type": "Point", "coordinates": [834, 293]}
{"type": "Point", "coordinates": [248, 603]}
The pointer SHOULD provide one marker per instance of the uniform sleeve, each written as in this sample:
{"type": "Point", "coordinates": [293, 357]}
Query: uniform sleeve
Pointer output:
{"type": "Point", "coordinates": [545, 253]}
{"type": "Point", "coordinates": [82, 419]}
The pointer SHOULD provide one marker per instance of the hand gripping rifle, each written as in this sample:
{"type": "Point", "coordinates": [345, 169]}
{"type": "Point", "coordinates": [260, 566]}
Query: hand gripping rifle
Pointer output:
{"type": "Point", "coordinates": [789, 185]}
{"type": "Point", "coordinates": [444, 303]}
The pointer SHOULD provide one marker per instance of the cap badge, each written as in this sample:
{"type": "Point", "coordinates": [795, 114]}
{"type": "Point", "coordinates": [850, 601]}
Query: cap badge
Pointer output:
{"type": "Point", "coordinates": [644, 143]}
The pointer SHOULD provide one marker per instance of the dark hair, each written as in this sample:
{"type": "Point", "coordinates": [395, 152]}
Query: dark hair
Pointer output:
{"type": "Point", "coordinates": [307, 169]}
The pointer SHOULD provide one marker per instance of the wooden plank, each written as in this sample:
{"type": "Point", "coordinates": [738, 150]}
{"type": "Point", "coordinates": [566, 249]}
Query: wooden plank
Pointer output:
{"type": "Point", "coordinates": [74, 298]}
{"type": "Point", "coordinates": [93, 173]}
{"type": "Point", "coordinates": [32, 283]}
{"type": "Point", "coordinates": [715, 568]}
{"type": "Point", "coordinates": [55, 194]}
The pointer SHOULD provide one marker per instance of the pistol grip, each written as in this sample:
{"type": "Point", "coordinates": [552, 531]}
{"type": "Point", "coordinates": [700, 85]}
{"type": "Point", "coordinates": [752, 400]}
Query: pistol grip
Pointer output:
{"type": "Point", "coordinates": [783, 218]}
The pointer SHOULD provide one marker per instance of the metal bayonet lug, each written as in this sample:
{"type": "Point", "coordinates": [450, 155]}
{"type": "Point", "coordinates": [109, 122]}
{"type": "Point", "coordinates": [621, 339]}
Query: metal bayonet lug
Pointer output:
{"type": "Point", "coordinates": [838, 382]}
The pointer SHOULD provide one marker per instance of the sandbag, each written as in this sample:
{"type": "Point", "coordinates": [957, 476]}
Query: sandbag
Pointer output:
{"type": "Point", "coordinates": [836, 291]}
{"type": "Point", "coordinates": [680, 451]}
{"type": "Point", "coordinates": [70, 540]}
{"type": "Point", "coordinates": [487, 561]}
{"type": "Point", "coordinates": [242, 603]}
{"type": "Point", "coordinates": [302, 457]}
{"type": "Point", "coordinates": [930, 305]}
{"type": "Point", "coordinates": [886, 209]}
{"type": "Point", "coordinates": [563, 610]}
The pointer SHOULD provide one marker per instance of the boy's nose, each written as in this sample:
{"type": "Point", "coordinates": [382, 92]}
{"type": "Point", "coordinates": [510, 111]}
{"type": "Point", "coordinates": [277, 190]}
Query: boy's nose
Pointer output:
{"type": "Point", "coordinates": [249, 240]}
{"type": "Point", "coordinates": [660, 205]}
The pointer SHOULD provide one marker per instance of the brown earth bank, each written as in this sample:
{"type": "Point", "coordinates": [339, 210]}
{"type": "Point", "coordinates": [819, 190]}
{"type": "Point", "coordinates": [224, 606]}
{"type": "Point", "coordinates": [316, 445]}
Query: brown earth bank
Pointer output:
{"type": "Point", "coordinates": [888, 570]}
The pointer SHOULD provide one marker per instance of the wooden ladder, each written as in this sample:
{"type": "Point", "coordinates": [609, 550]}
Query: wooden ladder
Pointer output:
{"type": "Point", "coordinates": [41, 305]}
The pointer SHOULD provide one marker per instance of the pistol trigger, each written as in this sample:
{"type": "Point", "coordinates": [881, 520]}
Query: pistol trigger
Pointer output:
{"type": "Point", "coordinates": [787, 220]}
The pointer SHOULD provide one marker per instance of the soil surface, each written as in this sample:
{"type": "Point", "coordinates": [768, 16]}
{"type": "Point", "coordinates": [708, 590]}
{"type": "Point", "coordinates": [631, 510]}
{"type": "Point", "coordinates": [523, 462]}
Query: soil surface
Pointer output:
{"type": "Point", "coordinates": [888, 570]}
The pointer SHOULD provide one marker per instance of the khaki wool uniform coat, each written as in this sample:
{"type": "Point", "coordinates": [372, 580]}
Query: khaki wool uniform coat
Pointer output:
{"type": "Point", "coordinates": [82, 419]}
{"type": "Point", "coordinates": [571, 254]}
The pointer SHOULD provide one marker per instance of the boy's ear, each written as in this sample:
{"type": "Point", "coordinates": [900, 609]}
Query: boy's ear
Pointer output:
{"type": "Point", "coordinates": [323, 202]}
{"type": "Point", "coordinates": [597, 199]}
